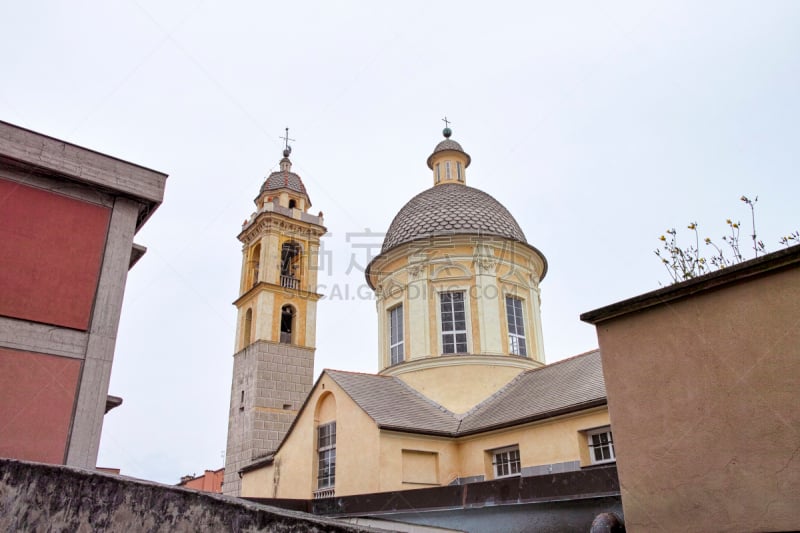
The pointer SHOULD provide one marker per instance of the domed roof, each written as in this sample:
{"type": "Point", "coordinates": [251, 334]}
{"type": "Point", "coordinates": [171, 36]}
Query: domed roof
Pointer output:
{"type": "Point", "coordinates": [284, 179]}
{"type": "Point", "coordinates": [447, 144]}
{"type": "Point", "coordinates": [451, 209]}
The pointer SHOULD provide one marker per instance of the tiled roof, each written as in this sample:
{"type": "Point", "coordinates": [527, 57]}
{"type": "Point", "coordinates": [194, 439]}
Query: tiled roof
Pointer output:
{"type": "Point", "coordinates": [541, 392]}
{"type": "Point", "coordinates": [451, 209]}
{"type": "Point", "coordinates": [394, 405]}
{"type": "Point", "coordinates": [447, 144]}
{"type": "Point", "coordinates": [284, 179]}
{"type": "Point", "coordinates": [535, 394]}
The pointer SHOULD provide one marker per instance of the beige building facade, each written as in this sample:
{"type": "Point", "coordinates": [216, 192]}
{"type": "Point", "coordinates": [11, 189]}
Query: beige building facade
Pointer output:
{"type": "Point", "coordinates": [463, 393]}
{"type": "Point", "coordinates": [702, 383]}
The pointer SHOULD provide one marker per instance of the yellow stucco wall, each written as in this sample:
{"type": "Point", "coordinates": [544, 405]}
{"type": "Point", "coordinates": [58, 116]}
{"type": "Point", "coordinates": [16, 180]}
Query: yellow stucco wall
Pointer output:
{"type": "Point", "coordinates": [460, 388]}
{"type": "Point", "coordinates": [557, 440]}
{"type": "Point", "coordinates": [357, 450]}
{"type": "Point", "coordinates": [487, 271]}
{"type": "Point", "coordinates": [373, 460]}
{"type": "Point", "coordinates": [392, 462]}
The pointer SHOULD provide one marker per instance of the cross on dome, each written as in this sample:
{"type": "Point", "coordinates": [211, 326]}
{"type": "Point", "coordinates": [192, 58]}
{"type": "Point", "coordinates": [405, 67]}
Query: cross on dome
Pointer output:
{"type": "Point", "coordinates": [286, 149]}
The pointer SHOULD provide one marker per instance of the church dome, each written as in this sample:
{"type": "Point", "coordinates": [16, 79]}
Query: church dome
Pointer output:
{"type": "Point", "coordinates": [284, 179]}
{"type": "Point", "coordinates": [451, 209]}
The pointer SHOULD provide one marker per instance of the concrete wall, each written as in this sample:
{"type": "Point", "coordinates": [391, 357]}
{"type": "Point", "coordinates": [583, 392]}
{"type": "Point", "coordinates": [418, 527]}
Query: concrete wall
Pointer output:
{"type": "Point", "coordinates": [38, 497]}
{"type": "Point", "coordinates": [67, 223]}
{"type": "Point", "coordinates": [702, 380]}
{"type": "Point", "coordinates": [558, 502]}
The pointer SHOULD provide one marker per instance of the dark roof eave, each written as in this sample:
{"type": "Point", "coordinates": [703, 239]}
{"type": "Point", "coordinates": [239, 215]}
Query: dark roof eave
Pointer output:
{"type": "Point", "coordinates": [418, 431]}
{"type": "Point", "coordinates": [535, 418]}
{"type": "Point", "coordinates": [258, 463]}
{"type": "Point", "coordinates": [753, 268]}
{"type": "Point", "coordinates": [511, 423]}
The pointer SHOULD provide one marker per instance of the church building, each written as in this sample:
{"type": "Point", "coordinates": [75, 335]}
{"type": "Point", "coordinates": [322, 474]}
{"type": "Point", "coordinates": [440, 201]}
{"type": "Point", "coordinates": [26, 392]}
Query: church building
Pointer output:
{"type": "Point", "coordinates": [463, 393]}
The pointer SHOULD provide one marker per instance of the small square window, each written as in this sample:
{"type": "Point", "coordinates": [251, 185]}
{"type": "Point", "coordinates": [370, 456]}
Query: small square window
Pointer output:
{"type": "Point", "coordinates": [506, 462]}
{"type": "Point", "coordinates": [601, 446]}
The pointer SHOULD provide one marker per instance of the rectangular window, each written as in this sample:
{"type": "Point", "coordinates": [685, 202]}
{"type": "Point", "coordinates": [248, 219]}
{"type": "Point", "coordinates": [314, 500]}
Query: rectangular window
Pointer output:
{"type": "Point", "coordinates": [506, 462]}
{"type": "Point", "coordinates": [438, 174]}
{"type": "Point", "coordinates": [458, 171]}
{"type": "Point", "coordinates": [601, 446]}
{"type": "Point", "coordinates": [396, 334]}
{"type": "Point", "coordinates": [454, 322]}
{"type": "Point", "coordinates": [447, 170]}
{"type": "Point", "coordinates": [326, 448]}
{"type": "Point", "coordinates": [516, 326]}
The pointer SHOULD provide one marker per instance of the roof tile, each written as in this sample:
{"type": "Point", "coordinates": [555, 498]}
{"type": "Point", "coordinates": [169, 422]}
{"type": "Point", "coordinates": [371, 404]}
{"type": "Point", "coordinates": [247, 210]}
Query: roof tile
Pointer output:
{"type": "Point", "coordinates": [533, 394]}
{"type": "Point", "coordinates": [450, 209]}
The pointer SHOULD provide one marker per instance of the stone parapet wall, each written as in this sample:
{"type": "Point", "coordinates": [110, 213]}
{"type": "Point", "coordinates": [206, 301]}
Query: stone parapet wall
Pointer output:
{"type": "Point", "coordinates": [39, 497]}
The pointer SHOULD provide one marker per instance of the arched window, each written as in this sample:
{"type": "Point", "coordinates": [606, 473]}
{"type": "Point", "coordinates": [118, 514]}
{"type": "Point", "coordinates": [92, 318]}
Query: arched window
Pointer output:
{"type": "Point", "coordinates": [255, 263]}
{"type": "Point", "coordinates": [292, 203]}
{"type": "Point", "coordinates": [287, 324]}
{"type": "Point", "coordinates": [325, 418]}
{"type": "Point", "coordinates": [290, 265]}
{"type": "Point", "coordinates": [247, 335]}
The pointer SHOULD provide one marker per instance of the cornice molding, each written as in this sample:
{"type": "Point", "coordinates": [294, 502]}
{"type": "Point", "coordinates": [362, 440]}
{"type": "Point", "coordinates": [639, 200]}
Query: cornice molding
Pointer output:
{"type": "Point", "coordinates": [443, 361]}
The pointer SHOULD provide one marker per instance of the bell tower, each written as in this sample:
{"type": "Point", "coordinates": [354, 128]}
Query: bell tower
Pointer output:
{"type": "Point", "coordinates": [273, 363]}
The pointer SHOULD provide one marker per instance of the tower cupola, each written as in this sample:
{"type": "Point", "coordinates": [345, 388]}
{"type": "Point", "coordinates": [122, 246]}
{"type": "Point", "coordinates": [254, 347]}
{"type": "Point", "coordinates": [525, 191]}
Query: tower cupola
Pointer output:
{"type": "Point", "coordinates": [284, 187]}
{"type": "Point", "coordinates": [449, 161]}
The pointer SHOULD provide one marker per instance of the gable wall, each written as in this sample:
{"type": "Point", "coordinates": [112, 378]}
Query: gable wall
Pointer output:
{"type": "Point", "coordinates": [550, 442]}
{"type": "Point", "coordinates": [371, 460]}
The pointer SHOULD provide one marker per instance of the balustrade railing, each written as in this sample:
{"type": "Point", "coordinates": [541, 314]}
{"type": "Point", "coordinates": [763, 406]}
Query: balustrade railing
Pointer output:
{"type": "Point", "coordinates": [290, 282]}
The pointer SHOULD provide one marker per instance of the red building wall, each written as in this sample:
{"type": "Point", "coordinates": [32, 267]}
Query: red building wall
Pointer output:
{"type": "Point", "coordinates": [51, 251]}
{"type": "Point", "coordinates": [37, 396]}
{"type": "Point", "coordinates": [210, 481]}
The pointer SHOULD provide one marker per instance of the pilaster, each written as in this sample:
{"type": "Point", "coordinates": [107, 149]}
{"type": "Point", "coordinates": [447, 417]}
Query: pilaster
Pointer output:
{"type": "Point", "coordinates": [488, 294]}
{"type": "Point", "coordinates": [418, 333]}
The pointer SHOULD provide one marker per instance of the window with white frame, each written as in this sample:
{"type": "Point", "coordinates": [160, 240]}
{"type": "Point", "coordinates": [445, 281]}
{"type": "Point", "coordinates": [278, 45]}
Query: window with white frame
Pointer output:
{"type": "Point", "coordinates": [326, 449]}
{"type": "Point", "coordinates": [438, 173]}
{"type": "Point", "coordinates": [396, 334]}
{"type": "Point", "coordinates": [516, 326]}
{"type": "Point", "coordinates": [447, 170]}
{"type": "Point", "coordinates": [458, 171]}
{"type": "Point", "coordinates": [601, 446]}
{"type": "Point", "coordinates": [506, 462]}
{"type": "Point", "coordinates": [454, 322]}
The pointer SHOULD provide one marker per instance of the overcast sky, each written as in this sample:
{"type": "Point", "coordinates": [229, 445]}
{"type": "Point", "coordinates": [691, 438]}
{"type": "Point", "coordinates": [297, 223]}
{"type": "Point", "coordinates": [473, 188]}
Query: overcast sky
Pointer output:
{"type": "Point", "coordinates": [597, 124]}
